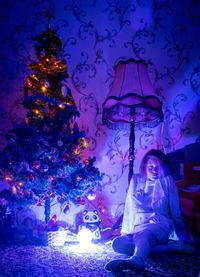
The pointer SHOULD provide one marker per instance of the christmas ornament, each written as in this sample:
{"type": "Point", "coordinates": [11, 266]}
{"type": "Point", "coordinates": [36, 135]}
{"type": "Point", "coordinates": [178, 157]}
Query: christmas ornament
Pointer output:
{"type": "Point", "coordinates": [86, 162]}
{"type": "Point", "coordinates": [91, 195]}
{"type": "Point", "coordinates": [31, 177]}
{"type": "Point", "coordinates": [64, 127]}
{"type": "Point", "coordinates": [44, 168]}
{"type": "Point", "coordinates": [36, 164]}
{"type": "Point", "coordinates": [80, 201]}
{"type": "Point", "coordinates": [60, 199]}
{"type": "Point", "coordinates": [53, 195]}
{"type": "Point", "coordinates": [78, 178]}
{"type": "Point", "coordinates": [26, 120]}
{"type": "Point", "coordinates": [66, 209]}
{"type": "Point", "coordinates": [64, 91]}
{"type": "Point", "coordinates": [60, 143]}
{"type": "Point", "coordinates": [39, 203]}
{"type": "Point", "coordinates": [52, 221]}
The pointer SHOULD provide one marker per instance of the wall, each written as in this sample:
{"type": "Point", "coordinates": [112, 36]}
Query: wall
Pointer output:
{"type": "Point", "coordinates": [95, 35]}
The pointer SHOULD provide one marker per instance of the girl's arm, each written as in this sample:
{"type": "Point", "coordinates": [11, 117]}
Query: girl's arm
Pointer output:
{"type": "Point", "coordinates": [174, 204]}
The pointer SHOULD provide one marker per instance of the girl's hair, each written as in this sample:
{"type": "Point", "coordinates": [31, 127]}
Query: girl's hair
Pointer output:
{"type": "Point", "coordinates": [162, 159]}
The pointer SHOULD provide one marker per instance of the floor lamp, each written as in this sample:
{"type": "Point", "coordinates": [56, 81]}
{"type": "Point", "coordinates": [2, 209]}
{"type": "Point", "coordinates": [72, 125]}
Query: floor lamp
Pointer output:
{"type": "Point", "coordinates": [131, 103]}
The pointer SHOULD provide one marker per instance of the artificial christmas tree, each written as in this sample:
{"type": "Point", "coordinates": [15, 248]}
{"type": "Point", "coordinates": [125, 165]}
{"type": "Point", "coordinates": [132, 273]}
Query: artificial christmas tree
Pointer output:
{"type": "Point", "coordinates": [42, 160]}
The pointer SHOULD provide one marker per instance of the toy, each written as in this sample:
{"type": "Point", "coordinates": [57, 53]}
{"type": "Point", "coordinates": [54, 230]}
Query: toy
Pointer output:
{"type": "Point", "coordinates": [91, 221]}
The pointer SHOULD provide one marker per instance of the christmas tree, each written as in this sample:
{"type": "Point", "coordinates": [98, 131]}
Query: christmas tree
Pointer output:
{"type": "Point", "coordinates": [42, 159]}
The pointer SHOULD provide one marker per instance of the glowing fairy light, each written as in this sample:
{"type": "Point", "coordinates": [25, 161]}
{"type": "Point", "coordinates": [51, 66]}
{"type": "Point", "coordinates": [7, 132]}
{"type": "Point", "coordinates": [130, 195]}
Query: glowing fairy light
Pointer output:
{"type": "Point", "coordinates": [61, 106]}
{"type": "Point", "coordinates": [14, 190]}
{"type": "Point", "coordinates": [84, 143]}
{"type": "Point", "coordinates": [36, 112]}
{"type": "Point", "coordinates": [8, 178]}
{"type": "Point", "coordinates": [77, 151]}
{"type": "Point", "coordinates": [44, 88]}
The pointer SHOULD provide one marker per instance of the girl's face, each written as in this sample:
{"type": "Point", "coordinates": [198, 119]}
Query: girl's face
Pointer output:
{"type": "Point", "coordinates": [152, 168]}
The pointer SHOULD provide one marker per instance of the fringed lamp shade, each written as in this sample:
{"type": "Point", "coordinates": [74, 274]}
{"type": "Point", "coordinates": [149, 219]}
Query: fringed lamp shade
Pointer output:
{"type": "Point", "coordinates": [131, 102]}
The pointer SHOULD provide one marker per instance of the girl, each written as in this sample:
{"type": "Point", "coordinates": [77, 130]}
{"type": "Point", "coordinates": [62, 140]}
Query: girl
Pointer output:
{"type": "Point", "coordinates": [151, 214]}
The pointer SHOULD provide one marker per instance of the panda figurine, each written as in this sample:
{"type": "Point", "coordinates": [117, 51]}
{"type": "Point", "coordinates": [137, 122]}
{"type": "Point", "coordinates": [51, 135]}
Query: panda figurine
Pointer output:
{"type": "Point", "coordinates": [92, 221]}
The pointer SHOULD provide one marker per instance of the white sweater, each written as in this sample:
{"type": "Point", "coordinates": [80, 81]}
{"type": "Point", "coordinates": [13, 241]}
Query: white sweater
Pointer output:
{"type": "Point", "coordinates": [154, 206]}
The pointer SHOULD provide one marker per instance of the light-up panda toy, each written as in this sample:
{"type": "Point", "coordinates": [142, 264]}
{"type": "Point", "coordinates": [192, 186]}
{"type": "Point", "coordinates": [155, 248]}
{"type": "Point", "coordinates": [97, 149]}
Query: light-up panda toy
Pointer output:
{"type": "Point", "coordinates": [91, 221]}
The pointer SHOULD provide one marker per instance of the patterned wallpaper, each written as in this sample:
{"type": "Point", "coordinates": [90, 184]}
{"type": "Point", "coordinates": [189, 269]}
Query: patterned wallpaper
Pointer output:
{"type": "Point", "coordinates": [96, 34]}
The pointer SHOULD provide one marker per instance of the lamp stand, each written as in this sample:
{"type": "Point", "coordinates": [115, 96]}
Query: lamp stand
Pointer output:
{"type": "Point", "coordinates": [131, 144]}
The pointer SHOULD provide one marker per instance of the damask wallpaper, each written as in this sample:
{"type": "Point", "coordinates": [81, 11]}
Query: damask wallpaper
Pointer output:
{"type": "Point", "coordinates": [96, 34]}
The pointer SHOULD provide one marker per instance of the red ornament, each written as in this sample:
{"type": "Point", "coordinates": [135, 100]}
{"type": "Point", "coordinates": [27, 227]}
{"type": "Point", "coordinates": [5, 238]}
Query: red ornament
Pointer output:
{"type": "Point", "coordinates": [44, 198]}
{"type": "Point", "coordinates": [64, 127]}
{"type": "Point", "coordinates": [52, 221]}
{"type": "Point", "coordinates": [39, 203]}
{"type": "Point", "coordinates": [52, 112]}
{"type": "Point", "coordinates": [36, 164]}
{"type": "Point", "coordinates": [86, 162]}
{"type": "Point", "coordinates": [78, 178]}
{"type": "Point", "coordinates": [26, 119]}
{"type": "Point", "coordinates": [80, 201]}
{"type": "Point", "coordinates": [52, 195]}
{"type": "Point", "coordinates": [31, 177]}
{"type": "Point", "coordinates": [60, 199]}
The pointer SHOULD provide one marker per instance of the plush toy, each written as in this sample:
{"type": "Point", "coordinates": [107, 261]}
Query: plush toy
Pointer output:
{"type": "Point", "coordinates": [91, 221]}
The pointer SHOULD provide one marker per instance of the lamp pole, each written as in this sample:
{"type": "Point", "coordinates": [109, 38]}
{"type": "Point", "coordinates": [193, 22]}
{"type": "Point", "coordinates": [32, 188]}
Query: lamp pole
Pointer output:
{"type": "Point", "coordinates": [131, 144]}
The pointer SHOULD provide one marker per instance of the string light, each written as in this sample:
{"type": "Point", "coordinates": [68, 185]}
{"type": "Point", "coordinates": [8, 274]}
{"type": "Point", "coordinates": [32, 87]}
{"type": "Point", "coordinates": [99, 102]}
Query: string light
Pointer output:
{"type": "Point", "coordinates": [61, 106]}
{"type": "Point", "coordinates": [14, 190]}
{"type": "Point", "coordinates": [36, 112]}
{"type": "Point", "coordinates": [8, 178]}
{"type": "Point", "coordinates": [44, 88]}
{"type": "Point", "coordinates": [84, 143]}
{"type": "Point", "coordinates": [77, 151]}
{"type": "Point", "coordinates": [20, 184]}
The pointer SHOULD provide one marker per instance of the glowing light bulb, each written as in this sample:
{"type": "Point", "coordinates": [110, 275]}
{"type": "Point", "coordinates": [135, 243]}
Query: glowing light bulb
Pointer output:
{"type": "Point", "coordinates": [85, 237]}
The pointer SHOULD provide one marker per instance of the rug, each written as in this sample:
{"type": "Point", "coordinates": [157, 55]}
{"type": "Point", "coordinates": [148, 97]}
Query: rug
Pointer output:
{"type": "Point", "coordinates": [72, 261]}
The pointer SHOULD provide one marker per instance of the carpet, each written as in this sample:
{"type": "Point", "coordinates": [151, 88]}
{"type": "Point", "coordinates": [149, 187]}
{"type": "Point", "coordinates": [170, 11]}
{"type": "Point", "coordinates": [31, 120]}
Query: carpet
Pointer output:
{"type": "Point", "coordinates": [72, 261]}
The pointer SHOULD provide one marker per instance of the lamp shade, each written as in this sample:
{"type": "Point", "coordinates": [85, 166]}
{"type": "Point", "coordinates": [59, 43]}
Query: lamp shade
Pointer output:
{"type": "Point", "coordinates": [131, 98]}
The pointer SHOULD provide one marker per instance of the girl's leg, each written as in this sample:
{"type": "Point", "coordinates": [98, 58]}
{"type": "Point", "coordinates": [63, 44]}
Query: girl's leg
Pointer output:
{"type": "Point", "coordinates": [124, 245]}
{"type": "Point", "coordinates": [142, 243]}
